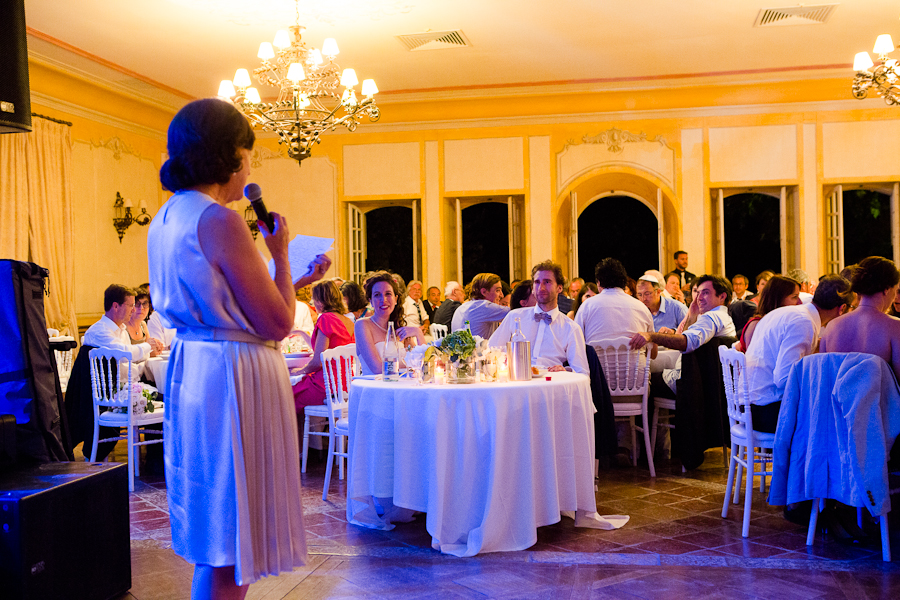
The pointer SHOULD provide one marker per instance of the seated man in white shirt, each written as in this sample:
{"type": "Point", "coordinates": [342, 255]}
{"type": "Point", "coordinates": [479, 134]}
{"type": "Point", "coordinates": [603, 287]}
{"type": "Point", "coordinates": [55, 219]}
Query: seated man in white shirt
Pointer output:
{"type": "Point", "coordinates": [482, 311]}
{"type": "Point", "coordinates": [711, 298]}
{"type": "Point", "coordinates": [612, 313]}
{"type": "Point", "coordinates": [781, 339]}
{"type": "Point", "coordinates": [555, 339]}
{"type": "Point", "coordinates": [740, 285]}
{"type": "Point", "coordinates": [110, 332]}
{"type": "Point", "coordinates": [414, 307]}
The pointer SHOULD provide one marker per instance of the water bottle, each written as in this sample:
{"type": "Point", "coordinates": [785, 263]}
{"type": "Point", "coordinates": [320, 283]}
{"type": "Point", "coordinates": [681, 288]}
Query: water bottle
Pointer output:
{"type": "Point", "coordinates": [390, 370]}
{"type": "Point", "coordinates": [517, 335]}
{"type": "Point", "coordinates": [518, 351]}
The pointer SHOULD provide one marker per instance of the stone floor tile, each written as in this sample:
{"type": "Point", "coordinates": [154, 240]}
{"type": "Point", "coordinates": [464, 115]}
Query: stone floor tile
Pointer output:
{"type": "Point", "coordinates": [749, 549]}
{"type": "Point", "coordinates": [667, 546]}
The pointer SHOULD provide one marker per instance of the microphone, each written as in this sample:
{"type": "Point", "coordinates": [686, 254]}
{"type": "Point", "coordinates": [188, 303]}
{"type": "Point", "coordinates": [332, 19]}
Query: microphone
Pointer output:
{"type": "Point", "coordinates": [254, 194]}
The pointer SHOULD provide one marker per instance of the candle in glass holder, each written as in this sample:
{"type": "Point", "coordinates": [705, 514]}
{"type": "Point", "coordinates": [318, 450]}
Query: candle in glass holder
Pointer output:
{"type": "Point", "coordinates": [439, 374]}
{"type": "Point", "coordinates": [502, 370]}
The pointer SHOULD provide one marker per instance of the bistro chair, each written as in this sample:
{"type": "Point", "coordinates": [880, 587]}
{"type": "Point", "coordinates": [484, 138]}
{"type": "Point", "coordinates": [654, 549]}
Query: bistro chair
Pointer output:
{"type": "Point", "coordinates": [339, 365]}
{"type": "Point", "coordinates": [111, 382]}
{"type": "Point", "coordinates": [438, 331]}
{"type": "Point", "coordinates": [627, 373]}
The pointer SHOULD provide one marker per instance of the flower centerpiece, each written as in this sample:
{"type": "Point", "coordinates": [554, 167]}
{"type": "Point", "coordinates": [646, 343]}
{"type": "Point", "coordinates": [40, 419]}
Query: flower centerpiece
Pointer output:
{"type": "Point", "coordinates": [142, 397]}
{"type": "Point", "coordinates": [459, 349]}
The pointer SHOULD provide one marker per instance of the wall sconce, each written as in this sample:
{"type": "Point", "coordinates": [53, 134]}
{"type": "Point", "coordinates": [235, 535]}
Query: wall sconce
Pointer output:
{"type": "Point", "coordinates": [251, 219]}
{"type": "Point", "coordinates": [123, 217]}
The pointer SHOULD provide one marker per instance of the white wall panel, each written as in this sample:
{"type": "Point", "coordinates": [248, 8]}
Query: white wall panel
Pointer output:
{"type": "Point", "coordinates": [861, 149]}
{"type": "Point", "coordinates": [765, 153]}
{"type": "Point", "coordinates": [485, 164]}
{"type": "Point", "coordinates": [382, 169]}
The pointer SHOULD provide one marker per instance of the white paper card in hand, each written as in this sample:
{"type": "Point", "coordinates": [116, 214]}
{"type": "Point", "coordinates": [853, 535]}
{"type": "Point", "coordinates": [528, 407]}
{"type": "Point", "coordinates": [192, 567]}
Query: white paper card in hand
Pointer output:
{"type": "Point", "coordinates": [302, 251]}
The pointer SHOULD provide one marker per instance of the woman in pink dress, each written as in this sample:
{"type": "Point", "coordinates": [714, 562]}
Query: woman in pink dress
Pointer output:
{"type": "Point", "coordinates": [332, 329]}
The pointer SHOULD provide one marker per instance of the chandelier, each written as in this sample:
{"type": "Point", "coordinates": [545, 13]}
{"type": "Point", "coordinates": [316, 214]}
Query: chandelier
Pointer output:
{"type": "Point", "coordinates": [309, 101]}
{"type": "Point", "coordinates": [883, 77]}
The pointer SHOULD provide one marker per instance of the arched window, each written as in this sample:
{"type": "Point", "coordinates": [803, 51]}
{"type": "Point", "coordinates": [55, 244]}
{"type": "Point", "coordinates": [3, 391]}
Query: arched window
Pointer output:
{"type": "Point", "coordinates": [617, 226]}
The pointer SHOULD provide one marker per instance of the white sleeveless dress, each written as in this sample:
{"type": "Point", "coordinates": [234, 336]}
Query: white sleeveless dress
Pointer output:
{"type": "Point", "coordinates": [231, 449]}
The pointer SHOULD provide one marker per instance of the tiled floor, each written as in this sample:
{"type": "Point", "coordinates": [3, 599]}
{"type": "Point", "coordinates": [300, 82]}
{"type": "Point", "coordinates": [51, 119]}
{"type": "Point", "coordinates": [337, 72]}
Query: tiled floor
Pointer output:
{"type": "Point", "coordinates": [676, 545]}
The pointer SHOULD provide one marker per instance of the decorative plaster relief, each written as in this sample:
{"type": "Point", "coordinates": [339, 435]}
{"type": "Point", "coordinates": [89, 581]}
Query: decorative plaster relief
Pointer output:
{"type": "Point", "coordinates": [261, 153]}
{"type": "Point", "coordinates": [118, 147]}
{"type": "Point", "coordinates": [615, 147]}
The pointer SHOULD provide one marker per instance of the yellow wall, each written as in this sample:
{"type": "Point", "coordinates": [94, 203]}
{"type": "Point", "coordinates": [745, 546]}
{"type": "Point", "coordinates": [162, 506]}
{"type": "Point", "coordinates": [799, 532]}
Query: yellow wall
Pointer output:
{"type": "Point", "coordinates": [685, 141]}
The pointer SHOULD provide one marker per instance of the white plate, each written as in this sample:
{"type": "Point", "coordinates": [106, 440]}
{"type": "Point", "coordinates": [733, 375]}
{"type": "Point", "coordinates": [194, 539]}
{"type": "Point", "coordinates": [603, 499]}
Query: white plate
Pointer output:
{"type": "Point", "coordinates": [541, 373]}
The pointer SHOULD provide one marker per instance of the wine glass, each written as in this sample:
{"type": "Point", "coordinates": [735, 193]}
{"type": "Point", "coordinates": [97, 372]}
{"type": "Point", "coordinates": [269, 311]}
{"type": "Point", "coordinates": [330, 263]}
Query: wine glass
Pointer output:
{"type": "Point", "coordinates": [414, 361]}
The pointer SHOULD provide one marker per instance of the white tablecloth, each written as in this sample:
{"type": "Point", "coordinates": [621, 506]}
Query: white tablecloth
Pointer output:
{"type": "Point", "coordinates": [489, 463]}
{"type": "Point", "coordinates": [666, 358]}
{"type": "Point", "coordinates": [155, 369]}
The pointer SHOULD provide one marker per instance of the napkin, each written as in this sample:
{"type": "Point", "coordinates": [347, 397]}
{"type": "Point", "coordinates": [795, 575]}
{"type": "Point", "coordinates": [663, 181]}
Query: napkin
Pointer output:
{"type": "Point", "coordinates": [302, 251]}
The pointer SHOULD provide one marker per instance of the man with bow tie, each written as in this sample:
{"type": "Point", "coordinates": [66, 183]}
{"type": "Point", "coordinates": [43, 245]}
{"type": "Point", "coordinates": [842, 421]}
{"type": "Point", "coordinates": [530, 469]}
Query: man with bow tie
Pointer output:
{"type": "Point", "coordinates": [555, 339]}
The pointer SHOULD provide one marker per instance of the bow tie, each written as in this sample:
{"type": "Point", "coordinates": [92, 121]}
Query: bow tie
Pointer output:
{"type": "Point", "coordinates": [545, 317]}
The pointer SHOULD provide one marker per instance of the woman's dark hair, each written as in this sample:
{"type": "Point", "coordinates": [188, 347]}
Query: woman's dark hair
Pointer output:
{"type": "Point", "coordinates": [610, 273]}
{"type": "Point", "coordinates": [141, 292]}
{"type": "Point", "coordinates": [767, 275]}
{"type": "Point", "coordinates": [506, 289]}
{"type": "Point", "coordinates": [631, 287]}
{"type": "Point", "coordinates": [326, 292]}
{"type": "Point", "coordinates": [205, 139]}
{"type": "Point", "coordinates": [397, 315]}
{"type": "Point", "coordinates": [520, 293]}
{"type": "Point", "coordinates": [776, 289]}
{"type": "Point", "coordinates": [354, 296]}
{"type": "Point", "coordinates": [873, 275]}
{"type": "Point", "coordinates": [579, 299]}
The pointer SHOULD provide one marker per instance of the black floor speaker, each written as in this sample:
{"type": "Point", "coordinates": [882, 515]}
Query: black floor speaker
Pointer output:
{"type": "Point", "coordinates": [15, 94]}
{"type": "Point", "coordinates": [64, 532]}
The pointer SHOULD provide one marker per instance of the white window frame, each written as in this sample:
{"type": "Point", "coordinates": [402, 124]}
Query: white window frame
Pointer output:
{"type": "Point", "coordinates": [515, 214]}
{"type": "Point", "coordinates": [357, 233]}
{"type": "Point", "coordinates": [834, 222]}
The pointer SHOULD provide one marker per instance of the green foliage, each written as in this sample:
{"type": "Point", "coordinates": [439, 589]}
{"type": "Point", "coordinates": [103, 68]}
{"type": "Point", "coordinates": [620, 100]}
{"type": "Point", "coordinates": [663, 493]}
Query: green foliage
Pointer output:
{"type": "Point", "coordinates": [458, 345]}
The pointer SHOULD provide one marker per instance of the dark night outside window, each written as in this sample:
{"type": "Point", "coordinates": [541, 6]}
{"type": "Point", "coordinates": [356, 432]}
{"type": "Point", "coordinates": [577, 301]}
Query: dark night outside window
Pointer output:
{"type": "Point", "coordinates": [752, 235]}
{"type": "Point", "coordinates": [485, 240]}
{"type": "Point", "coordinates": [867, 225]}
{"type": "Point", "coordinates": [389, 240]}
{"type": "Point", "coordinates": [618, 227]}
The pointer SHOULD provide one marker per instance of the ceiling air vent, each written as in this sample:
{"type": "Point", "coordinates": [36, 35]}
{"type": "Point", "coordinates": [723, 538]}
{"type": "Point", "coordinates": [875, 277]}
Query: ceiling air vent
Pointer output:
{"type": "Point", "coordinates": [434, 40]}
{"type": "Point", "coordinates": [795, 15]}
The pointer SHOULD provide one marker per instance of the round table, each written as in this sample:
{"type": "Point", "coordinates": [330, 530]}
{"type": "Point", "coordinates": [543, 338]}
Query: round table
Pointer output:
{"type": "Point", "coordinates": [489, 463]}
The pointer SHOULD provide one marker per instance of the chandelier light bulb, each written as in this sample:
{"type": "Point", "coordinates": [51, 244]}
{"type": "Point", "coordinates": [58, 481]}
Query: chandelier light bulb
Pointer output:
{"type": "Point", "coordinates": [348, 78]}
{"type": "Point", "coordinates": [241, 78]}
{"type": "Point", "coordinates": [282, 39]}
{"type": "Point", "coordinates": [862, 62]}
{"type": "Point", "coordinates": [330, 48]}
{"type": "Point", "coordinates": [226, 89]}
{"type": "Point", "coordinates": [369, 88]}
{"type": "Point", "coordinates": [315, 57]}
{"type": "Point", "coordinates": [252, 96]}
{"type": "Point", "coordinates": [883, 44]}
{"type": "Point", "coordinates": [265, 51]}
{"type": "Point", "coordinates": [303, 100]}
{"type": "Point", "coordinates": [295, 73]}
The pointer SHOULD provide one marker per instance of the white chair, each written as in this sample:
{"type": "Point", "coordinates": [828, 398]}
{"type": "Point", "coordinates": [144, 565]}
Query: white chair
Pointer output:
{"type": "Point", "coordinates": [339, 365]}
{"type": "Point", "coordinates": [627, 373]}
{"type": "Point", "coordinates": [438, 331]}
{"type": "Point", "coordinates": [669, 405]}
{"type": "Point", "coordinates": [111, 387]}
{"type": "Point", "coordinates": [748, 447]}
{"type": "Point", "coordinates": [64, 359]}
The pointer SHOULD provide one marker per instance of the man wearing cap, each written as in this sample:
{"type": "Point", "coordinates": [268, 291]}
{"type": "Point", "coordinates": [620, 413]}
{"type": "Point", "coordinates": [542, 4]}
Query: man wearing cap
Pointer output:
{"type": "Point", "coordinates": [667, 313]}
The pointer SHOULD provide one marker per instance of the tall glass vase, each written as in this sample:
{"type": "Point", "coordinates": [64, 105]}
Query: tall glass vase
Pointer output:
{"type": "Point", "coordinates": [462, 371]}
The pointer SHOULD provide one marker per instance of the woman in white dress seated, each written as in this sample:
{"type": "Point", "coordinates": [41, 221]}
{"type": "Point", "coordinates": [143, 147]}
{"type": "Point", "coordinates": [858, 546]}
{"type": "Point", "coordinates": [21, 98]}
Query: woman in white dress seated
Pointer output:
{"type": "Point", "coordinates": [383, 293]}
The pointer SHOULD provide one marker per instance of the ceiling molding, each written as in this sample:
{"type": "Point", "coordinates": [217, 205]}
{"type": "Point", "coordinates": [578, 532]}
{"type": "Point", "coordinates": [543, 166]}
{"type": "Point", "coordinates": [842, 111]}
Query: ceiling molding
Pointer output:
{"type": "Point", "coordinates": [94, 115]}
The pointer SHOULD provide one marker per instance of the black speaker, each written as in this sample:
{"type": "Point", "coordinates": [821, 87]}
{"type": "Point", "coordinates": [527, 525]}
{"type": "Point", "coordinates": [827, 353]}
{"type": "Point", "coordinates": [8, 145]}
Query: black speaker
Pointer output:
{"type": "Point", "coordinates": [64, 532]}
{"type": "Point", "coordinates": [15, 95]}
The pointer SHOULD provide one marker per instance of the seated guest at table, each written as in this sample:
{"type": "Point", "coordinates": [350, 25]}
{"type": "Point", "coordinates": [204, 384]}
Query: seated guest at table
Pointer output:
{"type": "Point", "coordinates": [453, 299]}
{"type": "Point", "coordinates": [432, 301]}
{"type": "Point", "coordinates": [574, 287]}
{"type": "Point", "coordinates": [482, 311]}
{"type": "Point", "coordinates": [157, 327]}
{"type": "Point", "coordinates": [612, 313]}
{"type": "Point", "coordinates": [761, 280]}
{"type": "Point", "coordinates": [739, 284]}
{"type": "Point", "coordinates": [711, 298]}
{"type": "Point", "coordinates": [661, 280]}
{"type": "Point", "coordinates": [631, 288]}
{"type": "Point", "coordinates": [894, 310]}
{"type": "Point", "coordinates": [504, 300]}
{"type": "Point", "coordinates": [589, 290]}
{"type": "Point", "coordinates": [555, 339]}
{"type": "Point", "coordinates": [782, 338]}
{"type": "Point", "coordinates": [332, 329]}
{"type": "Point", "coordinates": [521, 296]}
{"type": "Point", "coordinates": [667, 313]}
{"type": "Point", "coordinates": [868, 329]}
{"type": "Point", "coordinates": [111, 332]}
{"type": "Point", "coordinates": [136, 326]}
{"type": "Point", "coordinates": [355, 300]}
{"type": "Point", "coordinates": [414, 308]}
{"type": "Point", "coordinates": [564, 302]}
{"type": "Point", "coordinates": [673, 288]}
{"type": "Point", "coordinates": [382, 291]}
{"type": "Point", "coordinates": [304, 319]}
{"type": "Point", "coordinates": [800, 276]}
{"type": "Point", "coordinates": [779, 291]}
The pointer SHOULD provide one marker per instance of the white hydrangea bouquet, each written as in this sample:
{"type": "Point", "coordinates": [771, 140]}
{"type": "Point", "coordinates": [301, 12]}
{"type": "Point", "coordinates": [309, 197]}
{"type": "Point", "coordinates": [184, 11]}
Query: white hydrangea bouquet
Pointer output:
{"type": "Point", "coordinates": [142, 397]}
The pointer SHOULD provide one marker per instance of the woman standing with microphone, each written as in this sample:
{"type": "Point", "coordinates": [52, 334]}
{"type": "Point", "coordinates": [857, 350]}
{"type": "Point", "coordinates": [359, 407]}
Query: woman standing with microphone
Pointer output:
{"type": "Point", "coordinates": [232, 472]}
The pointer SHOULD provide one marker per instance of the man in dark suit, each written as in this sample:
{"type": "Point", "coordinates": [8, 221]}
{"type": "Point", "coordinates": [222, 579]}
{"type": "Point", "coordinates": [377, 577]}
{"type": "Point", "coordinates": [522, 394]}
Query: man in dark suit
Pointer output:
{"type": "Point", "coordinates": [432, 301]}
{"type": "Point", "coordinates": [454, 298]}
